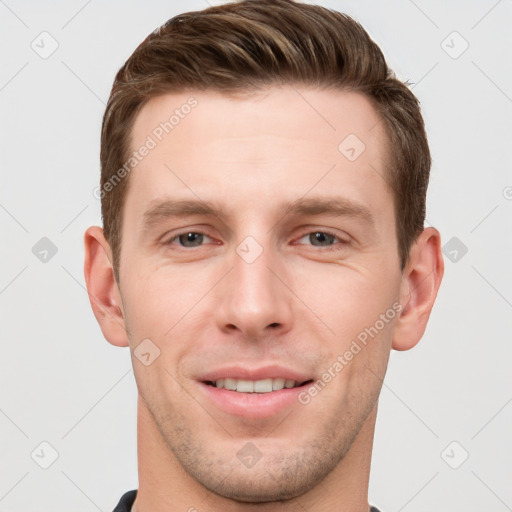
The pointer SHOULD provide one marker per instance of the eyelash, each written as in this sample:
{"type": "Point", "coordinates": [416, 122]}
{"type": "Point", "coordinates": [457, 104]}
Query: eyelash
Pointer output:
{"type": "Point", "coordinates": [333, 247]}
{"type": "Point", "coordinates": [324, 231]}
{"type": "Point", "coordinates": [177, 235]}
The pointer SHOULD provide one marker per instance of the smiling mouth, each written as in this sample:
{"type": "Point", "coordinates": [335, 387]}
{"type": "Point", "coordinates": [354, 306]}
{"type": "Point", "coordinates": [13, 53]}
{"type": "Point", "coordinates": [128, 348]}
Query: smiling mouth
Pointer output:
{"type": "Point", "coordinates": [256, 386]}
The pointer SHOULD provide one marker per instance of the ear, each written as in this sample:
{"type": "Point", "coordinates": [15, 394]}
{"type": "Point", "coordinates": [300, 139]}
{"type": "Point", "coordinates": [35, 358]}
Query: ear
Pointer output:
{"type": "Point", "coordinates": [102, 287]}
{"type": "Point", "coordinates": [420, 282]}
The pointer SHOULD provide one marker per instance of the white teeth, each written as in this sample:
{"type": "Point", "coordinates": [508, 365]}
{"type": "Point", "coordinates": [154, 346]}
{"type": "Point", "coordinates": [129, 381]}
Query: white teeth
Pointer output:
{"type": "Point", "coordinates": [278, 384]}
{"type": "Point", "coordinates": [228, 384]}
{"type": "Point", "coordinates": [245, 386]}
{"type": "Point", "coordinates": [255, 386]}
{"type": "Point", "coordinates": [263, 386]}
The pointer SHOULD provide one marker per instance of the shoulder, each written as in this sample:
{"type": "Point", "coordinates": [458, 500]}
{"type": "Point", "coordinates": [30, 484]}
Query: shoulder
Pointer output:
{"type": "Point", "coordinates": [126, 501]}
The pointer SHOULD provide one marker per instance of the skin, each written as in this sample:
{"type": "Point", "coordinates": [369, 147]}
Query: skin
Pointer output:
{"type": "Point", "coordinates": [300, 304]}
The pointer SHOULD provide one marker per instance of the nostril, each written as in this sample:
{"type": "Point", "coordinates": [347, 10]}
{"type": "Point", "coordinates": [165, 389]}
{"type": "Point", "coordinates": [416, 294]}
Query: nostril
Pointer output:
{"type": "Point", "coordinates": [275, 324]}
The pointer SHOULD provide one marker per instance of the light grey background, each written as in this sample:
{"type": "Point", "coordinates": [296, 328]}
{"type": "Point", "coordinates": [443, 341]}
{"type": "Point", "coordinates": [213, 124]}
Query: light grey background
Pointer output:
{"type": "Point", "coordinates": [63, 384]}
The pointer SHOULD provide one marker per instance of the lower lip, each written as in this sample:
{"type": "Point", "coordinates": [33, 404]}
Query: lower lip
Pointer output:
{"type": "Point", "coordinates": [252, 405]}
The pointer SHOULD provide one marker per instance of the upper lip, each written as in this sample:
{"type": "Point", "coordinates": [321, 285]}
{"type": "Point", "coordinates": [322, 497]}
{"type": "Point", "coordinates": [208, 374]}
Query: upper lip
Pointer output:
{"type": "Point", "coordinates": [246, 373]}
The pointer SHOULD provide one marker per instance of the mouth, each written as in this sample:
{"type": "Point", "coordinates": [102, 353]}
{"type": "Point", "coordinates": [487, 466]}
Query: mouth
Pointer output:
{"type": "Point", "coordinates": [256, 386]}
{"type": "Point", "coordinates": [253, 394]}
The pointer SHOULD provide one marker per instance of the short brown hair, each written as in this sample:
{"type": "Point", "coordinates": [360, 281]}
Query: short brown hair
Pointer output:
{"type": "Point", "coordinates": [252, 44]}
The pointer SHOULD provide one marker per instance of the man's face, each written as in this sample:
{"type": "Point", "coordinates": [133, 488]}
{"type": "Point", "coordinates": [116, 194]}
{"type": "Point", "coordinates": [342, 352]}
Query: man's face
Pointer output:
{"type": "Point", "coordinates": [257, 292]}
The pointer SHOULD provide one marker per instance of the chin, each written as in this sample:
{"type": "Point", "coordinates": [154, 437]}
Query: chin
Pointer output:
{"type": "Point", "coordinates": [260, 488]}
{"type": "Point", "coordinates": [281, 478]}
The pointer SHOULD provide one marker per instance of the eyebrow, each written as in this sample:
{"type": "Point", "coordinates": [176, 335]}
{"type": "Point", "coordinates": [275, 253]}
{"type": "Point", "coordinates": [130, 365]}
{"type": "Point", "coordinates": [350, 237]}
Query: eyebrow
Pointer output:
{"type": "Point", "coordinates": [180, 208]}
{"type": "Point", "coordinates": [334, 206]}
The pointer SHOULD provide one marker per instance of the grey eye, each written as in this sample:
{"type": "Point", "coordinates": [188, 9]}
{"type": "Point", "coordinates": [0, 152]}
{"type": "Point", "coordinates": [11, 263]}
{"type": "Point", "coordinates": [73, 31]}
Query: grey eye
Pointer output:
{"type": "Point", "coordinates": [191, 239]}
{"type": "Point", "coordinates": [320, 238]}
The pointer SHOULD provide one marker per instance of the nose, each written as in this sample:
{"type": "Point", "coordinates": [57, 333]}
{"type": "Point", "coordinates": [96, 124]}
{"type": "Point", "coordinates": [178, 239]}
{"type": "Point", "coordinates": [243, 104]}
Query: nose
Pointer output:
{"type": "Point", "coordinates": [253, 298]}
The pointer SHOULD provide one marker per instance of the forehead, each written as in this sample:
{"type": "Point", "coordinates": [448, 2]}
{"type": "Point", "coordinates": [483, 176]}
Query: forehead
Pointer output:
{"type": "Point", "coordinates": [277, 142]}
{"type": "Point", "coordinates": [322, 116]}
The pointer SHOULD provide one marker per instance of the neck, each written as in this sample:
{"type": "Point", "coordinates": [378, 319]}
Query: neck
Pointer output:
{"type": "Point", "coordinates": [164, 485]}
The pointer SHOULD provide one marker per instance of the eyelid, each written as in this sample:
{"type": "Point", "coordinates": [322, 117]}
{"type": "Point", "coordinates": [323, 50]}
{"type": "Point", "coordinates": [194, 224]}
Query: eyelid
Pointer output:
{"type": "Point", "coordinates": [327, 231]}
{"type": "Point", "coordinates": [169, 239]}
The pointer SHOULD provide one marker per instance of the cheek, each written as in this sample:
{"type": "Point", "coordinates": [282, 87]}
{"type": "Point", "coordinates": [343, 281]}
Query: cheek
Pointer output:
{"type": "Point", "coordinates": [348, 299]}
{"type": "Point", "coordinates": [159, 308]}
{"type": "Point", "coordinates": [164, 306]}
{"type": "Point", "coordinates": [351, 302]}
{"type": "Point", "coordinates": [156, 298]}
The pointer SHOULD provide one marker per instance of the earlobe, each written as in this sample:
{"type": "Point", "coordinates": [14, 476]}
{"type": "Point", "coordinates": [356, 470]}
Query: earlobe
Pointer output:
{"type": "Point", "coordinates": [102, 287]}
{"type": "Point", "coordinates": [420, 284]}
